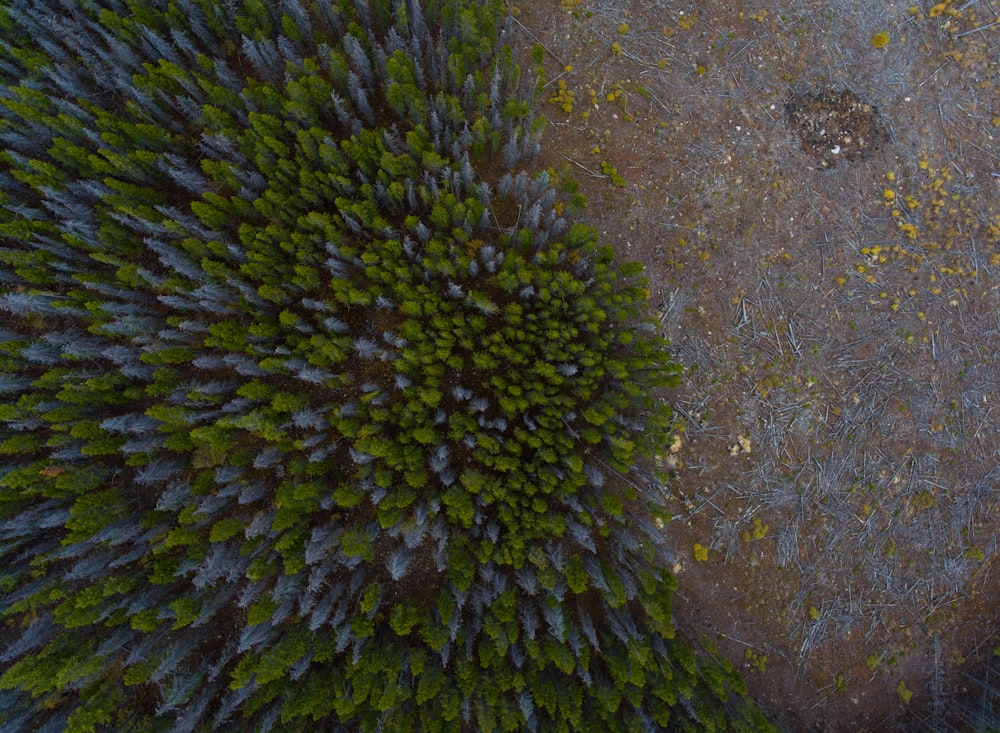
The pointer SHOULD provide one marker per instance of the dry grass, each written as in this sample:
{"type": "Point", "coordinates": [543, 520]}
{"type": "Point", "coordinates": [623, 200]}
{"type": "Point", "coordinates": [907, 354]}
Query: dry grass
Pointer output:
{"type": "Point", "coordinates": [840, 327]}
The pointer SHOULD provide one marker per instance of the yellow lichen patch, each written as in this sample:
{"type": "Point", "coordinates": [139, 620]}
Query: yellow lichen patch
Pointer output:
{"type": "Point", "coordinates": [563, 97]}
{"type": "Point", "coordinates": [759, 530]}
{"type": "Point", "coordinates": [910, 230]}
{"type": "Point", "coordinates": [937, 216]}
{"type": "Point", "coordinates": [880, 40]}
{"type": "Point", "coordinates": [936, 10]}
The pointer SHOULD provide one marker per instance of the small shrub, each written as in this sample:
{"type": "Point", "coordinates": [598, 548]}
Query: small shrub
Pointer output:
{"type": "Point", "coordinates": [905, 694]}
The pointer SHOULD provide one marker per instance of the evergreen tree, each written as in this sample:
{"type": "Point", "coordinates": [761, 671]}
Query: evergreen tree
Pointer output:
{"type": "Point", "coordinates": [300, 430]}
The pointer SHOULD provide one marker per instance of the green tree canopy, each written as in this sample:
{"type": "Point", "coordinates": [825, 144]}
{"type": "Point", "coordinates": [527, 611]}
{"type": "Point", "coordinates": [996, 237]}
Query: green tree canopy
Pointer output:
{"type": "Point", "coordinates": [316, 414]}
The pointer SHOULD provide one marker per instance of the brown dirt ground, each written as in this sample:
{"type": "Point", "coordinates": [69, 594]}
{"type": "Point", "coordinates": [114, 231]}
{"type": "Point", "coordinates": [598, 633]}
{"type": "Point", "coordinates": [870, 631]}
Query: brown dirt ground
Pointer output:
{"type": "Point", "coordinates": [839, 427]}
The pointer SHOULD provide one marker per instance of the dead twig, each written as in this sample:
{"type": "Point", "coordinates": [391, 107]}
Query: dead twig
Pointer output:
{"type": "Point", "coordinates": [978, 30]}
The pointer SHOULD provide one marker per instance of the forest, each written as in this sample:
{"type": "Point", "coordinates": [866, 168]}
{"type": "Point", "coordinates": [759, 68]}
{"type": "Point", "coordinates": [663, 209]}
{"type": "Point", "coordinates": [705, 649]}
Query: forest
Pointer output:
{"type": "Point", "coordinates": [320, 412]}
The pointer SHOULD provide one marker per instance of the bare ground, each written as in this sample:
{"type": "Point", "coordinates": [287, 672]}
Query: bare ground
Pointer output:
{"type": "Point", "coordinates": [836, 476]}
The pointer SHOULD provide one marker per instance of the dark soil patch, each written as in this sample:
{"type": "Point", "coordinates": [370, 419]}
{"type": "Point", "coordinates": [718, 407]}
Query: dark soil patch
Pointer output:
{"type": "Point", "coordinates": [835, 126]}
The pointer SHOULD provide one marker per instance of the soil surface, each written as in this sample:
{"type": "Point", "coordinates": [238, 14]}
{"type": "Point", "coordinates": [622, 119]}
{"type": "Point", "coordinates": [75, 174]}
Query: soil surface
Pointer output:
{"type": "Point", "coordinates": [813, 188]}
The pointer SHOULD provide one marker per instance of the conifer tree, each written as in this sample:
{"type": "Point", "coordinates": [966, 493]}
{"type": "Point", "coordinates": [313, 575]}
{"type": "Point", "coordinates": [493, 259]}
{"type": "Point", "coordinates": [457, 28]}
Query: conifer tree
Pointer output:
{"type": "Point", "coordinates": [300, 430]}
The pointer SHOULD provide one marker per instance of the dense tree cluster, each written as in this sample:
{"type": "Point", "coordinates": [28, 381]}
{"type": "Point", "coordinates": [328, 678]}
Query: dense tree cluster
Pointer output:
{"type": "Point", "coordinates": [315, 411]}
